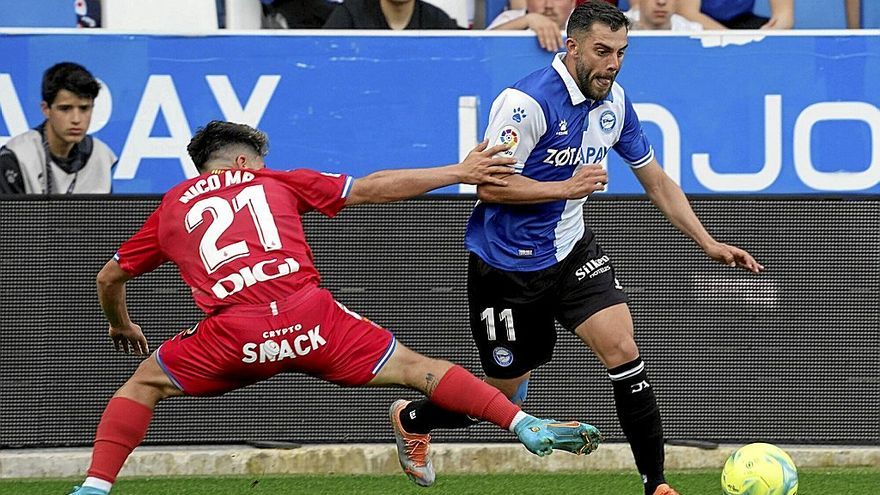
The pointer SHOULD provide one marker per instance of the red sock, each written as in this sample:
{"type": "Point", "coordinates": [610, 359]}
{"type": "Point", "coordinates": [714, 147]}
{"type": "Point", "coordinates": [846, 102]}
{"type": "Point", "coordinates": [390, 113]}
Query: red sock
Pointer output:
{"type": "Point", "coordinates": [460, 391]}
{"type": "Point", "coordinates": [122, 428]}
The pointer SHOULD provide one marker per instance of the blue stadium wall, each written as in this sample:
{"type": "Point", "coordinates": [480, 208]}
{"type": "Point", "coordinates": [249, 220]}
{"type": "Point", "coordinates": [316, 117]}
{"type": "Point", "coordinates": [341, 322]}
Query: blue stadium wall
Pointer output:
{"type": "Point", "coordinates": [731, 113]}
{"type": "Point", "coordinates": [777, 138]}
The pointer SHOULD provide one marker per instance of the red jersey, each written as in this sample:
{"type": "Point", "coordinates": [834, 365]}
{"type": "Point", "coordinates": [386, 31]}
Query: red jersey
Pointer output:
{"type": "Point", "coordinates": [236, 235]}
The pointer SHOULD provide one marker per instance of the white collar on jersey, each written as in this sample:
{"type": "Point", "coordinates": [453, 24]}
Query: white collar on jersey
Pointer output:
{"type": "Point", "coordinates": [574, 92]}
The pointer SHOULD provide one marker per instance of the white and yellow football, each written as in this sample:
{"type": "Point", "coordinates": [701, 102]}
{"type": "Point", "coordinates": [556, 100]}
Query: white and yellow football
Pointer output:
{"type": "Point", "coordinates": [759, 469]}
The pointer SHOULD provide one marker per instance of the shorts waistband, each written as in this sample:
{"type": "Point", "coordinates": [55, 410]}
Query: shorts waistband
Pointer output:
{"type": "Point", "coordinates": [272, 308]}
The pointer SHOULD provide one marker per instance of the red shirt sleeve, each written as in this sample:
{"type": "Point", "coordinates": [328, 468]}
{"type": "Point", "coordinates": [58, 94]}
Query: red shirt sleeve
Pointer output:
{"type": "Point", "coordinates": [318, 191]}
{"type": "Point", "coordinates": [142, 252]}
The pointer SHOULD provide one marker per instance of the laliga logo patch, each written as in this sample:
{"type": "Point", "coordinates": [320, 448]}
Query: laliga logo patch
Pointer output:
{"type": "Point", "coordinates": [607, 121]}
{"type": "Point", "coordinates": [503, 357]}
{"type": "Point", "coordinates": [509, 136]}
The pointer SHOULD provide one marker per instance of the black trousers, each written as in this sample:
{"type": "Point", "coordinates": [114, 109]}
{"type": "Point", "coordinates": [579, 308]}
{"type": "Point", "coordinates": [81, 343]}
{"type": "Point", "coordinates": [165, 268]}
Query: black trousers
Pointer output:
{"type": "Point", "coordinates": [745, 21]}
{"type": "Point", "coordinates": [304, 14]}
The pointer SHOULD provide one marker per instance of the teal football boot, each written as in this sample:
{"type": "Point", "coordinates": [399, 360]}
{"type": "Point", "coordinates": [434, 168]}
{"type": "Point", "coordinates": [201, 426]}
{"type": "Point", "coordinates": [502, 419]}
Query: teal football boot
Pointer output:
{"type": "Point", "coordinates": [542, 436]}
{"type": "Point", "coordinates": [87, 490]}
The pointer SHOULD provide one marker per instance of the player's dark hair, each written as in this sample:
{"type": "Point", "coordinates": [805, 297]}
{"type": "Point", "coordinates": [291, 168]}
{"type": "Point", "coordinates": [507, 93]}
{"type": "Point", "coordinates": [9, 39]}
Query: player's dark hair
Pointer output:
{"type": "Point", "coordinates": [592, 11]}
{"type": "Point", "coordinates": [216, 138]}
{"type": "Point", "coordinates": [72, 77]}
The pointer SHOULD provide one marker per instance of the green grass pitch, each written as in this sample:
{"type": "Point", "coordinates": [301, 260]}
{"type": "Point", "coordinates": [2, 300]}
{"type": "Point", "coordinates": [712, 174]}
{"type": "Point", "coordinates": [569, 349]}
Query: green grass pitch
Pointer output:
{"type": "Point", "coordinates": [862, 481]}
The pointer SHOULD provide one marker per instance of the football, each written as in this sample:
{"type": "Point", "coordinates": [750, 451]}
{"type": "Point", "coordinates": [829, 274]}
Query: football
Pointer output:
{"type": "Point", "coordinates": [759, 469]}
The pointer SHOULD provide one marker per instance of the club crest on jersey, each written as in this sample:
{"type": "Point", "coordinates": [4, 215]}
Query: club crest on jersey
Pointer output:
{"type": "Point", "coordinates": [510, 136]}
{"type": "Point", "coordinates": [519, 114]}
{"type": "Point", "coordinates": [503, 356]}
{"type": "Point", "coordinates": [563, 128]}
{"type": "Point", "coordinates": [607, 121]}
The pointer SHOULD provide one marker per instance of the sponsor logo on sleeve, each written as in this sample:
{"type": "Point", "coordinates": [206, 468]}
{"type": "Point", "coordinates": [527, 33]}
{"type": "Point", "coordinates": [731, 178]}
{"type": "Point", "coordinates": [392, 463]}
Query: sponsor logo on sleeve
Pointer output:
{"type": "Point", "coordinates": [519, 115]}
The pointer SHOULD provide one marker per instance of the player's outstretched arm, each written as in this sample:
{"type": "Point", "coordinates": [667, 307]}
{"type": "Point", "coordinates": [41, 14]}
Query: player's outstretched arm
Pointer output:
{"type": "Point", "coordinates": [481, 166]}
{"type": "Point", "coordinates": [670, 199]}
{"type": "Point", "coordinates": [524, 190]}
{"type": "Point", "coordinates": [111, 292]}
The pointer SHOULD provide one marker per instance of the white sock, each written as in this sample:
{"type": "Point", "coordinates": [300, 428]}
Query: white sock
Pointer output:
{"type": "Point", "coordinates": [516, 419]}
{"type": "Point", "coordinates": [98, 483]}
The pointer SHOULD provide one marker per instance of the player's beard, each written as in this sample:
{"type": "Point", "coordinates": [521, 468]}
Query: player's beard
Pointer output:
{"type": "Point", "coordinates": [587, 81]}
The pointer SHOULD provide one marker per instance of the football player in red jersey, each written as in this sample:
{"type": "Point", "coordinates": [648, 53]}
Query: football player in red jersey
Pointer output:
{"type": "Point", "coordinates": [235, 234]}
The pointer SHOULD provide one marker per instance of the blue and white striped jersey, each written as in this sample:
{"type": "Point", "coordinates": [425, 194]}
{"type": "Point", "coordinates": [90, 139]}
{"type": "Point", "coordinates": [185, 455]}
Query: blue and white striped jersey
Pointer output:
{"type": "Point", "coordinates": [554, 130]}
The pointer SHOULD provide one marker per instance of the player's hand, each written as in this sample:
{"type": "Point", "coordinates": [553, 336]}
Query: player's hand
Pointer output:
{"type": "Point", "coordinates": [548, 32]}
{"type": "Point", "coordinates": [132, 336]}
{"type": "Point", "coordinates": [587, 180]}
{"type": "Point", "coordinates": [733, 257]}
{"type": "Point", "coordinates": [779, 22]}
{"type": "Point", "coordinates": [481, 166]}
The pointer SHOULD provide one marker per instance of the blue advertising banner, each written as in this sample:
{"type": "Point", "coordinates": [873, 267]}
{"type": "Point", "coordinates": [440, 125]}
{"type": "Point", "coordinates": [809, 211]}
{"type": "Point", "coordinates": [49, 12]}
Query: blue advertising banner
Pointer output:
{"type": "Point", "coordinates": [795, 113]}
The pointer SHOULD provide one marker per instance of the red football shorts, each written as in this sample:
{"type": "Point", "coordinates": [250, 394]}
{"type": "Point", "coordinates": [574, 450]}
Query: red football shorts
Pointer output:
{"type": "Point", "coordinates": [307, 333]}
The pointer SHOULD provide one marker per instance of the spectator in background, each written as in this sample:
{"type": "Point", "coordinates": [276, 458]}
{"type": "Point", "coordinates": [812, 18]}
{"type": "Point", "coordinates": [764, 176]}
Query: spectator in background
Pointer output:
{"type": "Point", "coordinates": [853, 13]}
{"type": "Point", "coordinates": [547, 18]}
{"type": "Point", "coordinates": [521, 4]}
{"type": "Point", "coordinates": [88, 13]}
{"type": "Point", "coordinates": [388, 14]}
{"type": "Point", "coordinates": [57, 157]}
{"type": "Point", "coordinates": [303, 14]}
{"type": "Point", "coordinates": [737, 14]}
{"type": "Point", "coordinates": [284, 14]}
{"type": "Point", "coordinates": [659, 15]}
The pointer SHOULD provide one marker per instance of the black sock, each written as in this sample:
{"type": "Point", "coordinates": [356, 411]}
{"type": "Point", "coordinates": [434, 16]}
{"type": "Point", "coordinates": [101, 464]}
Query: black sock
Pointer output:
{"type": "Point", "coordinates": [640, 420]}
{"type": "Point", "coordinates": [422, 416]}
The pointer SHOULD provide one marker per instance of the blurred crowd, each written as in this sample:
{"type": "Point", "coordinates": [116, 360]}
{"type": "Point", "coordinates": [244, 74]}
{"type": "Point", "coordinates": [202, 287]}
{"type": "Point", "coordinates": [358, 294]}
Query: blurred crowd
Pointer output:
{"type": "Point", "coordinates": [541, 16]}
